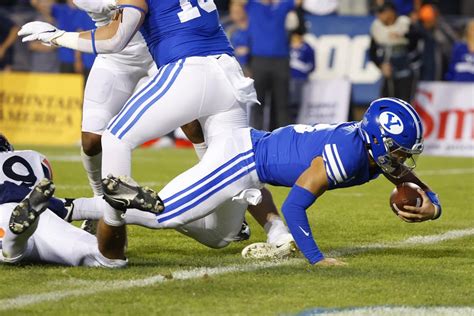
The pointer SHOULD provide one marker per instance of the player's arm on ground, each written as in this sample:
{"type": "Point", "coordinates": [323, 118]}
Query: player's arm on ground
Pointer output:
{"type": "Point", "coordinates": [111, 38]}
{"type": "Point", "coordinates": [429, 209]}
{"type": "Point", "coordinates": [311, 184]}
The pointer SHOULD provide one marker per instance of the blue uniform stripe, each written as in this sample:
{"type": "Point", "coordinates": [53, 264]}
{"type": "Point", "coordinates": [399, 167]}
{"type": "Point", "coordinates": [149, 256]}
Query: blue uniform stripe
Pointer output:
{"type": "Point", "coordinates": [135, 96]}
{"type": "Point", "coordinates": [143, 110]}
{"type": "Point", "coordinates": [207, 177]}
{"type": "Point", "coordinates": [222, 177]}
{"type": "Point", "coordinates": [338, 166]}
{"type": "Point", "coordinates": [204, 198]}
{"type": "Point", "coordinates": [134, 106]}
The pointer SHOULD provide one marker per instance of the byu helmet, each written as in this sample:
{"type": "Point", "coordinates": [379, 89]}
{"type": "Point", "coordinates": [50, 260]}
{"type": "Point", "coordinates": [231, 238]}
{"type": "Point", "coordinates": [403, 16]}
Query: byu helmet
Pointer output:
{"type": "Point", "coordinates": [4, 144]}
{"type": "Point", "coordinates": [393, 133]}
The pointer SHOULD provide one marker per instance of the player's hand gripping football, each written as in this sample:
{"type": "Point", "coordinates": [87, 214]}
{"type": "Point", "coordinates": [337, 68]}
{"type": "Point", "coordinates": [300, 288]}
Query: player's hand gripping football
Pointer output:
{"type": "Point", "coordinates": [413, 214]}
{"type": "Point", "coordinates": [39, 31]}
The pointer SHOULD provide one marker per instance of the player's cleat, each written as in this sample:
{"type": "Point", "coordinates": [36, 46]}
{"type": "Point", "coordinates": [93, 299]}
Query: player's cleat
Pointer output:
{"type": "Point", "coordinates": [244, 233]}
{"type": "Point", "coordinates": [90, 226]}
{"type": "Point", "coordinates": [27, 211]}
{"type": "Point", "coordinates": [266, 251]}
{"type": "Point", "coordinates": [123, 193]}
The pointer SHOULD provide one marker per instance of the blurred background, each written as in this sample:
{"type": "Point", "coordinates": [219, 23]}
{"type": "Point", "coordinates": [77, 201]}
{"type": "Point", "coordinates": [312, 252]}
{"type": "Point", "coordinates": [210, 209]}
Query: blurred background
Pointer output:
{"type": "Point", "coordinates": [312, 61]}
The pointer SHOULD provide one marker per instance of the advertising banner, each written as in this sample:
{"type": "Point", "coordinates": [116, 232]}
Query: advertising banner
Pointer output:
{"type": "Point", "coordinates": [41, 109]}
{"type": "Point", "coordinates": [447, 111]}
{"type": "Point", "coordinates": [325, 101]}
{"type": "Point", "coordinates": [341, 44]}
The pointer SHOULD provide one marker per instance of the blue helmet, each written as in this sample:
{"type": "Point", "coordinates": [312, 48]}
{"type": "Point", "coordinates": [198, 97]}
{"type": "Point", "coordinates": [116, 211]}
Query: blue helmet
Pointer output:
{"type": "Point", "coordinates": [393, 133]}
{"type": "Point", "coordinates": [4, 144]}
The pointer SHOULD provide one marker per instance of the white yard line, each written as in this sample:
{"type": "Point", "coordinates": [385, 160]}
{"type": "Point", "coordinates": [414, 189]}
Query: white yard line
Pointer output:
{"type": "Point", "coordinates": [392, 311]}
{"type": "Point", "coordinates": [106, 286]}
{"type": "Point", "coordinates": [445, 172]}
{"type": "Point", "coordinates": [412, 241]}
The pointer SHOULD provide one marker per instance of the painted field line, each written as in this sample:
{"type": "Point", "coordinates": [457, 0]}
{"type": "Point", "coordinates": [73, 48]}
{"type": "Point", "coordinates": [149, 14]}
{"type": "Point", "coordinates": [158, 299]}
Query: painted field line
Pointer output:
{"type": "Point", "coordinates": [445, 172]}
{"type": "Point", "coordinates": [411, 241]}
{"type": "Point", "coordinates": [96, 287]}
{"type": "Point", "coordinates": [392, 311]}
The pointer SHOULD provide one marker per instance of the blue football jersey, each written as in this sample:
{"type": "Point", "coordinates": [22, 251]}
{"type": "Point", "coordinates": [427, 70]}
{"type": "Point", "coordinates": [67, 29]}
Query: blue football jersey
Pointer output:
{"type": "Point", "coordinates": [176, 29]}
{"type": "Point", "coordinates": [283, 155]}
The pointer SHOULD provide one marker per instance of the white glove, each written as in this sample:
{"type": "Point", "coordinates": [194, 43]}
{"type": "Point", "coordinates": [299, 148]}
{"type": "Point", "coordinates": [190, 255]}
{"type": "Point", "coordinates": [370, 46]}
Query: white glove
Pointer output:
{"type": "Point", "coordinates": [96, 6]}
{"type": "Point", "coordinates": [39, 31]}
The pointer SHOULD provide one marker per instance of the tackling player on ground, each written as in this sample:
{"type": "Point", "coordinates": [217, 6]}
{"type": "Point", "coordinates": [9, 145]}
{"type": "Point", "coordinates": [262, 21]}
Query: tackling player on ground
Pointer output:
{"type": "Point", "coordinates": [309, 159]}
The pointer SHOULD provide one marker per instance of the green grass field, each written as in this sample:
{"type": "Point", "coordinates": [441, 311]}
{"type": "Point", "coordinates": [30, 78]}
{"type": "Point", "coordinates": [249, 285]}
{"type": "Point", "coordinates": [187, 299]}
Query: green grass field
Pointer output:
{"type": "Point", "coordinates": [346, 222]}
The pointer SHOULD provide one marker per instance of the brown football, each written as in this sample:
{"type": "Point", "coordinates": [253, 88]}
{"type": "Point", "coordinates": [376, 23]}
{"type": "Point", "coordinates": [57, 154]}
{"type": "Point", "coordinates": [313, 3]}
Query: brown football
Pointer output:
{"type": "Point", "coordinates": [405, 194]}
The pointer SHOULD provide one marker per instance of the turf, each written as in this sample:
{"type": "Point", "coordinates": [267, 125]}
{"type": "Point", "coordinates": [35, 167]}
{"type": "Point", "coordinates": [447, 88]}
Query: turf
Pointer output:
{"type": "Point", "coordinates": [440, 274]}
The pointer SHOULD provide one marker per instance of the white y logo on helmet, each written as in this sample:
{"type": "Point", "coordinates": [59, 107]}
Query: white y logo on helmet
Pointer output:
{"type": "Point", "coordinates": [391, 123]}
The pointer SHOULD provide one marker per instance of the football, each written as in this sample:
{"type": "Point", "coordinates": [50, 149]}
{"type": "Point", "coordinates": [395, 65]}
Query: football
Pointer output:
{"type": "Point", "coordinates": [405, 194]}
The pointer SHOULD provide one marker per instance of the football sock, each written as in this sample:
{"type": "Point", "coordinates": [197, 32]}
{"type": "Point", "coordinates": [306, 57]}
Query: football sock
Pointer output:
{"type": "Point", "coordinates": [88, 208]}
{"type": "Point", "coordinates": [92, 165]}
{"type": "Point", "coordinates": [276, 230]}
{"type": "Point", "coordinates": [200, 149]}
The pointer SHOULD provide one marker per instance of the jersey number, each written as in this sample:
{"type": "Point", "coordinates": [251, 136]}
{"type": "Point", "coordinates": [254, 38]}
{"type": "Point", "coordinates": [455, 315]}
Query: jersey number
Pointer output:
{"type": "Point", "coordinates": [28, 179]}
{"type": "Point", "coordinates": [189, 12]}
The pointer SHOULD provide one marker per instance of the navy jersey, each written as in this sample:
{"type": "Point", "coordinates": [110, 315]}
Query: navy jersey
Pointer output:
{"type": "Point", "coordinates": [176, 29]}
{"type": "Point", "coordinates": [283, 155]}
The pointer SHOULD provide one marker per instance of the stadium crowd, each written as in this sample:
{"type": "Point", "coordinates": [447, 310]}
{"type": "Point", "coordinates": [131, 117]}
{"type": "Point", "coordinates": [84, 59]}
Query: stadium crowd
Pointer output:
{"type": "Point", "coordinates": [411, 41]}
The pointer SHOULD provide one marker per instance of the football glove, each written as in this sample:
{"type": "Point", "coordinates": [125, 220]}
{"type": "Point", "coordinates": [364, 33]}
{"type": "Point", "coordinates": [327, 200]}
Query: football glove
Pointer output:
{"type": "Point", "coordinates": [40, 31]}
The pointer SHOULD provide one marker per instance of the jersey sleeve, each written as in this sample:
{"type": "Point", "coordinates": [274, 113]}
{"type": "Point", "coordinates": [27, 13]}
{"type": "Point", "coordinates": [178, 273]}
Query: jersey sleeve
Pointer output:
{"type": "Point", "coordinates": [346, 162]}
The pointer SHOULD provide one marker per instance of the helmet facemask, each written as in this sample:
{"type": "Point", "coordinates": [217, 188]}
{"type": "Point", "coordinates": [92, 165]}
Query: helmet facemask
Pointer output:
{"type": "Point", "coordinates": [398, 160]}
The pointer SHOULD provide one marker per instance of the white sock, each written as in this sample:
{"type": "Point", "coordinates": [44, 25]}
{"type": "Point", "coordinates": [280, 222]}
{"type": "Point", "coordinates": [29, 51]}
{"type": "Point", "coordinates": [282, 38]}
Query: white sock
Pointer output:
{"type": "Point", "coordinates": [113, 217]}
{"type": "Point", "coordinates": [276, 230]}
{"type": "Point", "coordinates": [92, 165]}
{"type": "Point", "coordinates": [116, 156]}
{"type": "Point", "coordinates": [88, 208]}
{"type": "Point", "coordinates": [200, 149]}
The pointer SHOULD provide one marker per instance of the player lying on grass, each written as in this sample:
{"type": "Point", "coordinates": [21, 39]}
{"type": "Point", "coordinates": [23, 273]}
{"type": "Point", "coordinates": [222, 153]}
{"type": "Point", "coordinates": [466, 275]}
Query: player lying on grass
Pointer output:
{"type": "Point", "coordinates": [24, 199]}
{"type": "Point", "coordinates": [26, 191]}
{"type": "Point", "coordinates": [309, 159]}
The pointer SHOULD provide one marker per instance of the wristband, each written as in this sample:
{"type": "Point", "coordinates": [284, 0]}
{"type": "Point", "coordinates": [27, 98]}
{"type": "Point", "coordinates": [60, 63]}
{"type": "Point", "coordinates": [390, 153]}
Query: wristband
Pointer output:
{"type": "Point", "coordinates": [434, 199]}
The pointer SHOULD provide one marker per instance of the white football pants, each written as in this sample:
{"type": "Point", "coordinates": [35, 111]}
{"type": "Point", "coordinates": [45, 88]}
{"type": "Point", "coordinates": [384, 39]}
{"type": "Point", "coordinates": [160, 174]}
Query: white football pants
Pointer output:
{"type": "Point", "coordinates": [55, 241]}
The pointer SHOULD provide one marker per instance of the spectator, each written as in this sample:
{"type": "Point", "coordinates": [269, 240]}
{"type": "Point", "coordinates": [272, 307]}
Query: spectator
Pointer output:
{"type": "Point", "coordinates": [269, 48]}
{"type": "Point", "coordinates": [8, 31]}
{"type": "Point", "coordinates": [461, 67]}
{"type": "Point", "coordinates": [239, 35]}
{"type": "Point", "coordinates": [403, 7]}
{"type": "Point", "coordinates": [83, 62]}
{"type": "Point", "coordinates": [65, 18]}
{"type": "Point", "coordinates": [43, 58]}
{"type": "Point", "coordinates": [436, 39]}
{"type": "Point", "coordinates": [302, 63]}
{"type": "Point", "coordinates": [392, 49]}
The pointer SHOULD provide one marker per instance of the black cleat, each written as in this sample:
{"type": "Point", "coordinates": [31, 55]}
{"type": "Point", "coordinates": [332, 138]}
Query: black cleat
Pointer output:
{"type": "Point", "coordinates": [122, 193]}
{"type": "Point", "coordinates": [27, 211]}
{"type": "Point", "coordinates": [244, 233]}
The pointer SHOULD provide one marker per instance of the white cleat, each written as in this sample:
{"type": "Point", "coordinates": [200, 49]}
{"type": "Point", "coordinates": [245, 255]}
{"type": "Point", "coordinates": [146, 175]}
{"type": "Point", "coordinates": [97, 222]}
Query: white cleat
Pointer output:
{"type": "Point", "coordinates": [266, 251]}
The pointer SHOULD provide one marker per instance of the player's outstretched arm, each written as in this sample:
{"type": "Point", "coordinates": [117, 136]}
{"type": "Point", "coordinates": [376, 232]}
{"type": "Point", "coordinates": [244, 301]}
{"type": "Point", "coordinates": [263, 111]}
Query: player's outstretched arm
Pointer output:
{"type": "Point", "coordinates": [311, 184]}
{"type": "Point", "coordinates": [108, 39]}
{"type": "Point", "coordinates": [430, 208]}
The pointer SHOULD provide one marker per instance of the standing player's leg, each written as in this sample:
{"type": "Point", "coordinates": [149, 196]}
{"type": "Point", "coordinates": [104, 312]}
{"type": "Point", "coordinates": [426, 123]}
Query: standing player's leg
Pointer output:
{"type": "Point", "coordinates": [158, 108]}
{"type": "Point", "coordinates": [109, 85]}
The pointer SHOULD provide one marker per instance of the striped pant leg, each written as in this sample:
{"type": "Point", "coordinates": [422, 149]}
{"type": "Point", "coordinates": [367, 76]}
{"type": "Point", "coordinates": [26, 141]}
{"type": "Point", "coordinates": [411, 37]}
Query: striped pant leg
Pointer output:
{"type": "Point", "coordinates": [227, 168]}
{"type": "Point", "coordinates": [219, 228]}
